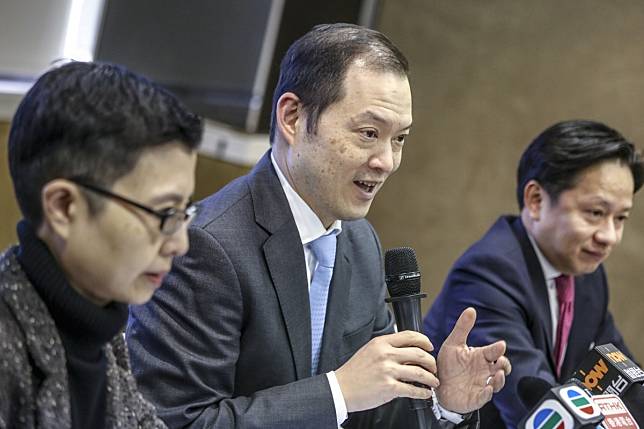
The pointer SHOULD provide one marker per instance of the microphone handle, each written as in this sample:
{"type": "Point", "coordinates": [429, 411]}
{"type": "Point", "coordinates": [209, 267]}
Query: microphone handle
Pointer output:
{"type": "Point", "coordinates": [407, 311]}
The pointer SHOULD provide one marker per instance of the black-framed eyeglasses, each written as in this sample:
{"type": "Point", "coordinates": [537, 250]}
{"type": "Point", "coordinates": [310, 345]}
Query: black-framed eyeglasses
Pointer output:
{"type": "Point", "coordinates": [171, 219]}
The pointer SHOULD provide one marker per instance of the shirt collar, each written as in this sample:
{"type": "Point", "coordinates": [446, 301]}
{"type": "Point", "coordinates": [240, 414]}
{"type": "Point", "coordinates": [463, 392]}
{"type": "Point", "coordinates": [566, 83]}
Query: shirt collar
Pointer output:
{"type": "Point", "coordinates": [308, 223]}
{"type": "Point", "coordinates": [549, 272]}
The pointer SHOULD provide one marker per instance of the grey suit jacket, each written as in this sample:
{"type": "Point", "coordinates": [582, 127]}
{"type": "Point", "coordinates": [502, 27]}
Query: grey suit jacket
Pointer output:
{"type": "Point", "coordinates": [33, 373]}
{"type": "Point", "coordinates": [226, 340]}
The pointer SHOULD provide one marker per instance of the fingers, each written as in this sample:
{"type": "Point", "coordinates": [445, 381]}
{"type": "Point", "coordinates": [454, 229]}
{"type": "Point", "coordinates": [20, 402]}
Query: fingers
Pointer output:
{"type": "Point", "coordinates": [406, 390]}
{"type": "Point", "coordinates": [503, 364]}
{"type": "Point", "coordinates": [415, 374]}
{"type": "Point", "coordinates": [462, 328]}
{"type": "Point", "coordinates": [497, 381]}
{"type": "Point", "coordinates": [485, 395]}
{"type": "Point", "coordinates": [499, 369]}
{"type": "Point", "coordinates": [500, 365]}
{"type": "Point", "coordinates": [384, 368]}
{"type": "Point", "coordinates": [411, 350]}
{"type": "Point", "coordinates": [414, 356]}
{"type": "Point", "coordinates": [494, 351]}
{"type": "Point", "coordinates": [408, 339]}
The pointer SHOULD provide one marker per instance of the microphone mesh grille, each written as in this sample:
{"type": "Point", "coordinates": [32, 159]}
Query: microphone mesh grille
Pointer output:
{"type": "Point", "coordinates": [401, 260]}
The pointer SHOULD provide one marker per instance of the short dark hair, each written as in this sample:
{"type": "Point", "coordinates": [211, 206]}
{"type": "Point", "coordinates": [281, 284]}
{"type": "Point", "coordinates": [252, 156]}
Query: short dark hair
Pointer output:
{"type": "Point", "coordinates": [560, 153]}
{"type": "Point", "coordinates": [90, 121]}
{"type": "Point", "coordinates": [315, 65]}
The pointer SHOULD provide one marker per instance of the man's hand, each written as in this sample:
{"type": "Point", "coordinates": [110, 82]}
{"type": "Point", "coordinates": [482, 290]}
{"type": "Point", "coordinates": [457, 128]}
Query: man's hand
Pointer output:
{"type": "Point", "coordinates": [469, 375]}
{"type": "Point", "coordinates": [383, 368]}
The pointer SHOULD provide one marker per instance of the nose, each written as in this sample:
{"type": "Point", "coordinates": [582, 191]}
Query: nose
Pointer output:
{"type": "Point", "coordinates": [608, 233]}
{"type": "Point", "coordinates": [176, 244]}
{"type": "Point", "coordinates": [385, 159]}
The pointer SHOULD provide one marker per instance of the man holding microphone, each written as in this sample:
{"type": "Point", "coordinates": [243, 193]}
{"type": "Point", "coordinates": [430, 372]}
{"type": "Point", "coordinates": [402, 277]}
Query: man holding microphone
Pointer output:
{"type": "Point", "coordinates": [276, 316]}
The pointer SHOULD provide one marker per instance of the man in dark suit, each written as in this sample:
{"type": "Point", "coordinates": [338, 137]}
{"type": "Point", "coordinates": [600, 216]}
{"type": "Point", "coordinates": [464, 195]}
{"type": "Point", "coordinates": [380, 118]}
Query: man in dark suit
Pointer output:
{"type": "Point", "coordinates": [276, 316]}
{"type": "Point", "coordinates": [537, 280]}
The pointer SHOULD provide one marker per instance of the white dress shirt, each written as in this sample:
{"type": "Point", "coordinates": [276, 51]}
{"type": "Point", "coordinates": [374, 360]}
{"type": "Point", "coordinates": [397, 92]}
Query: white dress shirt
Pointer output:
{"type": "Point", "coordinates": [550, 273]}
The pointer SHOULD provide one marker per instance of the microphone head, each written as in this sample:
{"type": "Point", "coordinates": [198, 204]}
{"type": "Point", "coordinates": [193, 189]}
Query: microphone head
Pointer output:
{"type": "Point", "coordinates": [531, 389]}
{"type": "Point", "coordinates": [401, 272]}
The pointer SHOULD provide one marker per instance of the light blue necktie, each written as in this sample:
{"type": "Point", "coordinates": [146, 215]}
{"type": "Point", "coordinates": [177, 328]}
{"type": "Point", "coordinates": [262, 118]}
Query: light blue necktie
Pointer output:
{"type": "Point", "coordinates": [324, 250]}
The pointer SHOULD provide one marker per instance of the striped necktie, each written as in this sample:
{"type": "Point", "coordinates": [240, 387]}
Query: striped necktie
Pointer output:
{"type": "Point", "coordinates": [566, 298]}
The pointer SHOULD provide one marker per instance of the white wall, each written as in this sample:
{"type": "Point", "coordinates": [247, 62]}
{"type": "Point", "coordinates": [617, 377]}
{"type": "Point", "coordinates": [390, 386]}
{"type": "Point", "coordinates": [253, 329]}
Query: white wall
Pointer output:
{"type": "Point", "coordinates": [35, 33]}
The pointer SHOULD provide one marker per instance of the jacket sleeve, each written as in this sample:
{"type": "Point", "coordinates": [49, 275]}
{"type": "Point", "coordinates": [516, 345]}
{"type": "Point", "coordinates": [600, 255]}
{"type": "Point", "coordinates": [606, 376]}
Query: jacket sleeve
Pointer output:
{"type": "Point", "coordinates": [185, 342]}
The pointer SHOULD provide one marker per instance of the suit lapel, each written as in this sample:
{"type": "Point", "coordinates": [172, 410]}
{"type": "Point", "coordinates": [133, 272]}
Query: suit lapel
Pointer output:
{"type": "Point", "coordinates": [285, 260]}
{"type": "Point", "coordinates": [336, 307]}
{"type": "Point", "coordinates": [538, 286]}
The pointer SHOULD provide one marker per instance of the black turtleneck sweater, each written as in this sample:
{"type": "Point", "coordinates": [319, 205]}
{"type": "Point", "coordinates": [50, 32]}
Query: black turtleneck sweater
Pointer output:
{"type": "Point", "coordinates": [84, 328]}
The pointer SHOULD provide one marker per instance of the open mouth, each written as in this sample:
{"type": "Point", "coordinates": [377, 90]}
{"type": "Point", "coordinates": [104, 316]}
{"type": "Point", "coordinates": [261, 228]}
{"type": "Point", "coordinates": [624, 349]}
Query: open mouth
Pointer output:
{"type": "Point", "coordinates": [366, 186]}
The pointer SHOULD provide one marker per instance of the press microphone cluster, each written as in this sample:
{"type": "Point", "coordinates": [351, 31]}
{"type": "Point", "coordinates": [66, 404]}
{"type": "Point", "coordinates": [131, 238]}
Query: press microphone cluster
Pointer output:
{"type": "Point", "coordinates": [571, 406]}
{"type": "Point", "coordinates": [605, 389]}
{"type": "Point", "coordinates": [606, 370]}
{"type": "Point", "coordinates": [403, 283]}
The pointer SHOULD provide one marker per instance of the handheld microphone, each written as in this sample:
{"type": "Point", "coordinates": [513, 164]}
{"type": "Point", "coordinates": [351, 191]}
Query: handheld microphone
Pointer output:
{"type": "Point", "coordinates": [561, 407]}
{"type": "Point", "coordinates": [403, 283]}
{"type": "Point", "coordinates": [606, 370]}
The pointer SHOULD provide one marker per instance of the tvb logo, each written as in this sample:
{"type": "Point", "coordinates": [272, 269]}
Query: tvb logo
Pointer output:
{"type": "Point", "coordinates": [550, 415]}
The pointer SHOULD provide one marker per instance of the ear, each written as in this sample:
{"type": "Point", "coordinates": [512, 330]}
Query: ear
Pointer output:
{"type": "Point", "coordinates": [289, 116]}
{"type": "Point", "coordinates": [533, 199]}
{"type": "Point", "coordinates": [61, 203]}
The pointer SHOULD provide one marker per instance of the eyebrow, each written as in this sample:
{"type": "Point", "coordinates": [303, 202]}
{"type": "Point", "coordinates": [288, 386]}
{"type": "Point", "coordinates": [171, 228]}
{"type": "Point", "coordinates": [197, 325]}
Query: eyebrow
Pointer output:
{"type": "Point", "coordinates": [171, 197]}
{"type": "Point", "coordinates": [608, 205]}
{"type": "Point", "coordinates": [371, 115]}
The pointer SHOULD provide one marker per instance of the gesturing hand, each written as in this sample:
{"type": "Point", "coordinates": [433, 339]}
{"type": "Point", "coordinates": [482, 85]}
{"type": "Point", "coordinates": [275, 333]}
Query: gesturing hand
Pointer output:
{"type": "Point", "coordinates": [469, 375]}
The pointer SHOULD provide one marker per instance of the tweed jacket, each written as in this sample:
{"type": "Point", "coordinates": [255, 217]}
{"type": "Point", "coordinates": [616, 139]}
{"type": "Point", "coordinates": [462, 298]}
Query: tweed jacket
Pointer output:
{"type": "Point", "coordinates": [33, 374]}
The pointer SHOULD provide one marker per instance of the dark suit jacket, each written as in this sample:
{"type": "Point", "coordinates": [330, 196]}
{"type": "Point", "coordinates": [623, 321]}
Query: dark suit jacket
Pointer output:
{"type": "Point", "coordinates": [500, 276]}
{"type": "Point", "coordinates": [226, 340]}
